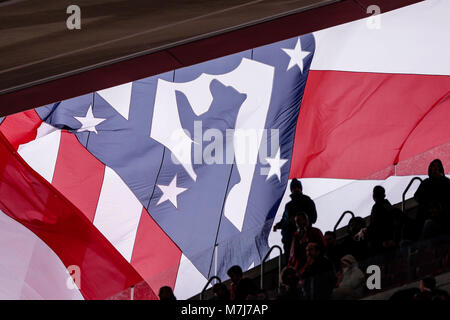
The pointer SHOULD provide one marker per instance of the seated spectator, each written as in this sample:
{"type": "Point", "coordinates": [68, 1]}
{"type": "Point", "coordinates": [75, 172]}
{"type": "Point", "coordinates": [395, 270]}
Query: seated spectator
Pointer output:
{"type": "Point", "coordinates": [404, 294]}
{"type": "Point", "coordinates": [241, 288]}
{"type": "Point", "coordinates": [355, 242]}
{"type": "Point", "coordinates": [317, 275]}
{"type": "Point", "coordinates": [427, 289]}
{"type": "Point", "coordinates": [166, 294]}
{"type": "Point", "coordinates": [299, 202]}
{"type": "Point", "coordinates": [380, 231]}
{"type": "Point", "coordinates": [426, 292]}
{"type": "Point", "coordinates": [261, 295]}
{"type": "Point", "coordinates": [331, 249]}
{"type": "Point", "coordinates": [290, 288]}
{"type": "Point", "coordinates": [436, 188]}
{"type": "Point", "coordinates": [351, 280]}
{"type": "Point", "coordinates": [305, 233]}
{"type": "Point", "coordinates": [440, 295]}
{"type": "Point", "coordinates": [221, 292]}
{"type": "Point", "coordinates": [400, 227]}
{"type": "Point", "coordinates": [434, 225]}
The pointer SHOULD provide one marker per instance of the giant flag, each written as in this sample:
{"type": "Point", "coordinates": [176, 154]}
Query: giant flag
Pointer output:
{"type": "Point", "coordinates": [184, 173]}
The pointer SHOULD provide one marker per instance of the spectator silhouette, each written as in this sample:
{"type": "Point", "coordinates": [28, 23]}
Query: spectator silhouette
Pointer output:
{"type": "Point", "coordinates": [351, 280]}
{"type": "Point", "coordinates": [290, 288]}
{"type": "Point", "coordinates": [355, 242]}
{"type": "Point", "coordinates": [434, 224]}
{"type": "Point", "coordinates": [436, 188]}
{"type": "Point", "coordinates": [401, 228]}
{"type": "Point", "coordinates": [404, 294]}
{"type": "Point", "coordinates": [166, 294]}
{"type": "Point", "coordinates": [332, 250]}
{"type": "Point", "coordinates": [317, 275]}
{"type": "Point", "coordinates": [241, 288]}
{"type": "Point", "coordinates": [427, 289]}
{"type": "Point", "coordinates": [221, 292]}
{"type": "Point", "coordinates": [261, 295]}
{"type": "Point", "coordinates": [440, 295]}
{"type": "Point", "coordinates": [380, 231]}
{"type": "Point", "coordinates": [305, 233]}
{"type": "Point", "coordinates": [299, 202]}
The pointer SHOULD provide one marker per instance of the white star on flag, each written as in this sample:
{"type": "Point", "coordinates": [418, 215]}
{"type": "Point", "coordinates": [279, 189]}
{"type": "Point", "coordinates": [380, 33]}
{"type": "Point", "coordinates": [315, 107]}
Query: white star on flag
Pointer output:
{"type": "Point", "coordinates": [275, 166]}
{"type": "Point", "coordinates": [170, 192]}
{"type": "Point", "coordinates": [297, 55]}
{"type": "Point", "coordinates": [89, 122]}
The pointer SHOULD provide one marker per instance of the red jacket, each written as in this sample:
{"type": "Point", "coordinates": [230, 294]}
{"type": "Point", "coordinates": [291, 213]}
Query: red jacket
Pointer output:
{"type": "Point", "coordinates": [299, 242]}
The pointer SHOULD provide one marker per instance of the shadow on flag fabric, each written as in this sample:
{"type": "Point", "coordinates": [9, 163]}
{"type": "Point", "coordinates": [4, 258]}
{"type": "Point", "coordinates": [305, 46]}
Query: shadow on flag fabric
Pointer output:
{"type": "Point", "coordinates": [184, 173]}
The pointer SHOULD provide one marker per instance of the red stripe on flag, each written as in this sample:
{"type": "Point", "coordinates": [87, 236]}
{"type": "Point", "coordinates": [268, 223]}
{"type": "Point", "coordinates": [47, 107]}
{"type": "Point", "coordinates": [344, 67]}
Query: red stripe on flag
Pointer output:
{"type": "Point", "coordinates": [432, 129]}
{"type": "Point", "coordinates": [352, 125]}
{"type": "Point", "coordinates": [78, 175]}
{"type": "Point", "coordinates": [29, 199]}
{"type": "Point", "coordinates": [421, 162]}
{"type": "Point", "coordinates": [155, 256]}
{"type": "Point", "coordinates": [21, 127]}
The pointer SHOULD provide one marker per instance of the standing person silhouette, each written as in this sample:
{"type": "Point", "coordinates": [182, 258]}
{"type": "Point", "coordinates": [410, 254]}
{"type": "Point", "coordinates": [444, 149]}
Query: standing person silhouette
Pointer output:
{"type": "Point", "coordinates": [380, 231]}
{"type": "Point", "coordinates": [299, 203]}
{"type": "Point", "coordinates": [434, 189]}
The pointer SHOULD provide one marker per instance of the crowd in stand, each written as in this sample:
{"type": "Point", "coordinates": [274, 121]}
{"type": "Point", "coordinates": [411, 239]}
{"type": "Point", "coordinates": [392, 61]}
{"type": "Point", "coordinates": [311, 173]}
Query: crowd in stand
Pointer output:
{"type": "Point", "coordinates": [427, 291]}
{"type": "Point", "coordinates": [317, 266]}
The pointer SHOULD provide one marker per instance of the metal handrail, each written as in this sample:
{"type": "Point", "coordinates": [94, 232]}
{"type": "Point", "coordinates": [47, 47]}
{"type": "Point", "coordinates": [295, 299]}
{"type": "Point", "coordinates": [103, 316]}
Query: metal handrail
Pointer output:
{"type": "Point", "coordinates": [406, 190]}
{"type": "Point", "coordinates": [279, 265]}
{"type": "Point", "coordinates": [206, 285]}
{"type": "Point", "coordinates": [342, 216]}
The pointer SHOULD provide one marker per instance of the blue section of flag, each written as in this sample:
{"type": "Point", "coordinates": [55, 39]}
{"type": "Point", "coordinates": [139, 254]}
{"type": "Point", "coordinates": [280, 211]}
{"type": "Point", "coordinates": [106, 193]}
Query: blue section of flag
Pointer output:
{"type": "Point", "coordinates": [197, 222]}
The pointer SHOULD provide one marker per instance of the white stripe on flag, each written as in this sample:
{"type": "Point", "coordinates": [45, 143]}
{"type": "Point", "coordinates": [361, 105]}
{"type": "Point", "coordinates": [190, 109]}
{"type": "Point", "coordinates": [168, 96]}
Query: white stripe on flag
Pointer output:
{"type": "Point", "coordinates": [41, 154]}
{"type": "Point", "coordinates": [189, 280]}
{"type": "Point", "coordinates": [118, 213]}
{"type": "Point", "coordinates": [119, 97]}
{"type": "Point", "coordinates": [410, 40]}
{"type": "Point", "coordinates": [29, 269]}
{"type": "Point", "coordinates": [45, 129]}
